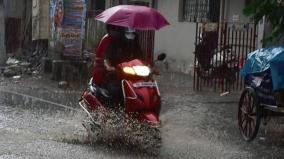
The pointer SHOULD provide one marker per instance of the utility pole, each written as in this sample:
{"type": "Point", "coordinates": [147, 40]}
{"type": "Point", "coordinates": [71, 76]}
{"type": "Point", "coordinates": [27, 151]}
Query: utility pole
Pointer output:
{"type": "Point", "coordinates": [3, 55]}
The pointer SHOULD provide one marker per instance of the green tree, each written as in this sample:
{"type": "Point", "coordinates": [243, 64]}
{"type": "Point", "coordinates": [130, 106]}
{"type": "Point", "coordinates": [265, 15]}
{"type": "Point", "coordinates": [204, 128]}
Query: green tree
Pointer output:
{"type": "Point", "coordinates": [273, 10]}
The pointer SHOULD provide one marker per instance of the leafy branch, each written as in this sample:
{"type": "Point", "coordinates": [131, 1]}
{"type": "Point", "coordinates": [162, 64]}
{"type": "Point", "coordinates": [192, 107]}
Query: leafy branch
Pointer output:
{"type": "Point", "coordinates": [273, 10]}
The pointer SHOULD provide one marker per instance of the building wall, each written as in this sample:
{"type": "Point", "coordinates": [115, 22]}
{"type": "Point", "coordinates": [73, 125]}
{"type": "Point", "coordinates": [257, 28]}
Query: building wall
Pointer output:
{"type": "Point", "coordinates": [14, 8]}
{"type": "Point", "coordinates": [176, 40]}
{"type": "Point", "coordinates": [40, 19]}
{"type": "Point", "coordinates": [234, 11]}
{"type": "Point", "coordinates": [234, 14]}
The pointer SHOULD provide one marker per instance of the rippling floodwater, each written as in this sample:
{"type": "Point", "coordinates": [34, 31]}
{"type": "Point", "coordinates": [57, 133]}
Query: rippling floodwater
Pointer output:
{"type": "Point", "coordinates": [48, 130]}
{"type": "Point", "coordinates": [193, 126]}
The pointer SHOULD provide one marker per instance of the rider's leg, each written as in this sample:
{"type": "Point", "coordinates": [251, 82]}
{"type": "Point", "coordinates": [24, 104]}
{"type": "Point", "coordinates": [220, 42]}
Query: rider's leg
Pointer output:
{"type": "Point", "coordinates": [115, 90]}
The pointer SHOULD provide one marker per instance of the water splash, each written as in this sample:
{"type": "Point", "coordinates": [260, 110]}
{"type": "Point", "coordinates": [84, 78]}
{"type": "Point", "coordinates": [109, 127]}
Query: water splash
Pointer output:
{"type": "Point", "coordinates": [113, 127]}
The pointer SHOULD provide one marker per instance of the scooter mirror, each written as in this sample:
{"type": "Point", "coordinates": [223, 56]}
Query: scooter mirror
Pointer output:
{"type": "Point", "coordinates": [161, 57]}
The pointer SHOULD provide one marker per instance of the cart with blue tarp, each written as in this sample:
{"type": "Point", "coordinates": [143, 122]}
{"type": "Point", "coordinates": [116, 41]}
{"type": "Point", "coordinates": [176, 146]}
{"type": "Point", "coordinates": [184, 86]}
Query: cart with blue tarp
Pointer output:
{"type": "Point", "coordinates": [263, 95]}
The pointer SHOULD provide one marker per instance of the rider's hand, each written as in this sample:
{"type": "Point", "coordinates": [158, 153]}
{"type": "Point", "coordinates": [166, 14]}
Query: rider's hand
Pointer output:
{"type": "Point", "coordinates": [108, 66]}
{"type": "Point", "coordinates": [156, 72]}
{"type": "Point", "coordinates": [111, 69]}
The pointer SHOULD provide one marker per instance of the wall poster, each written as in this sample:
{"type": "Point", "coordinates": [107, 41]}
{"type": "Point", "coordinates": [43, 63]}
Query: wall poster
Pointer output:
{"type": "Point", "coordinates": [67, 20]}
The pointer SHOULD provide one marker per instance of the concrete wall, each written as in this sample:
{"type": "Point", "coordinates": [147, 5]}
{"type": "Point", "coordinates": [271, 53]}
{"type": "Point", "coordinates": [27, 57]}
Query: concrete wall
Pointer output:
{"type": "Point", "coordinates": [14, 8]}
{"type": "Point", "coordinates": [40, 19]}
{"type": "Point", "coordinates": [234, 13]}
{"type": "Point", "coordinates": [176, 40]}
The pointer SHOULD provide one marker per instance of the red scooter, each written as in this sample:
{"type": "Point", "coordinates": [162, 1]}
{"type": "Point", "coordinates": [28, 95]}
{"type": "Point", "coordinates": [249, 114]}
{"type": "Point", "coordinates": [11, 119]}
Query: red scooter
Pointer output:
{"type": "Point", "coordinates": [142, 98]}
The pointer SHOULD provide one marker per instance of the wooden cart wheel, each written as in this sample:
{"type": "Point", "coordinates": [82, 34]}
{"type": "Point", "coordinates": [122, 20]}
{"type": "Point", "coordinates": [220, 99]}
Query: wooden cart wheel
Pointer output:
{"type": "Point", "coordinates": [249, 114]}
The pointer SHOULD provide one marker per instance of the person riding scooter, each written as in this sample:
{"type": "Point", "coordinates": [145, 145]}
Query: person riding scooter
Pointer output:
{"type": "Point", "coordinates": [123, 49]}
{"type": "Point", "coordinates": [98, 72]}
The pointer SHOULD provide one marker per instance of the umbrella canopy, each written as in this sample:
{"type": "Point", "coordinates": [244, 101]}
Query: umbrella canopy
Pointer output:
{"type": "Point", "coordinates": [135, 17]}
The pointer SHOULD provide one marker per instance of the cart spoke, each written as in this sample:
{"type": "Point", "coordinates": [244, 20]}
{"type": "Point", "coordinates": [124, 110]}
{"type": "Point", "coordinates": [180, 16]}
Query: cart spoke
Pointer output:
{"type": "Point", "coordinates": [245, 128]}
{"type": "Point", "coordinates": [252, 115]}
{"type": "Point", "coordinates": [245, 102]}
{"type": "Point", "coordinates": [243, 110]}
{"type": "Point", "coordinates": [251, 103]}
{"type": "Point", "coordinates": [253, 124]}
{"type": "Point", "coordinates": [250, 129]}
{"type": "Point", "coordinates": [253, 108]}
{"type": "Point", "coordinates": [243, 124]}
{"type": "Point", "coordinates": [243, 119]}
{"type": "Point", "coordinates": [249, 99]}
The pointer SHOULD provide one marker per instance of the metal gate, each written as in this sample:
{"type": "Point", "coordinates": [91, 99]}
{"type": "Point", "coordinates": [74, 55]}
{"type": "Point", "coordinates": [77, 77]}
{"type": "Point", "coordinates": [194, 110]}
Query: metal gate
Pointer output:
{"type": "Point", "coordinates": [220, 51]}
{"type": "Point", "coordinates": [146, 41]}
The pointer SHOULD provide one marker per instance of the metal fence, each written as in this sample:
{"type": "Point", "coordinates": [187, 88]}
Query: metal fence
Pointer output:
{"type": "Point", "coordinates": [220, 51]}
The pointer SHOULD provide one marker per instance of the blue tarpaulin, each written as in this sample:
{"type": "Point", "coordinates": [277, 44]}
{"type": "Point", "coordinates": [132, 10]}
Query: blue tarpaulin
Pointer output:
{"type": "Point", "coordinates": [265, 59]}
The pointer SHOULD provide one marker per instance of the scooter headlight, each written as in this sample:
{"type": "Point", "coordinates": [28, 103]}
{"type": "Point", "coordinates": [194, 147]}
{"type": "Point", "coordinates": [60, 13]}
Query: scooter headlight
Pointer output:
{"type": "Point", "coordinates": [142, 70]}
{"type": "Point", "coordinates": [129, 70]}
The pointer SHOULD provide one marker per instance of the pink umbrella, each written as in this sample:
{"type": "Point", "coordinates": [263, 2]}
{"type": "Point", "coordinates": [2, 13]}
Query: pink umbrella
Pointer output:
{"type": "Point", "coordinates": [135, 17]}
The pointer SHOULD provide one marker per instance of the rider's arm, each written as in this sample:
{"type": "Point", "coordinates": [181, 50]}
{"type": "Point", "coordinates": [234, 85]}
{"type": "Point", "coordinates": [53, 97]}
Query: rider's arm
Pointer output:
{"type": "Point", "coordinates": [108, 66]}
{"type": "Point", "coordinates": [109, 58]}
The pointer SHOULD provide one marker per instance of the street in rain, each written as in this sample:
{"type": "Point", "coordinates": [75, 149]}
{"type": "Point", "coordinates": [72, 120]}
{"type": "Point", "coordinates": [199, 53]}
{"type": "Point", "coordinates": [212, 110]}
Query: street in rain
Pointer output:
{"type": "Point", "coordinates": [141, 79]}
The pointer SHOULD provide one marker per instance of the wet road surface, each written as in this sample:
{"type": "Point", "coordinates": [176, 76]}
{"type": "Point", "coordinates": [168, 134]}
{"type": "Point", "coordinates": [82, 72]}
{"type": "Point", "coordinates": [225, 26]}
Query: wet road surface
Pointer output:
{"type": "Point", "coordinates": [194, 125]}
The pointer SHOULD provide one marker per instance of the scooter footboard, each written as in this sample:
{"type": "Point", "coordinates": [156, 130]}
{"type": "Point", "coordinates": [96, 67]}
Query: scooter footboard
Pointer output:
{"type": "Point", "coordinates": [90, 100]}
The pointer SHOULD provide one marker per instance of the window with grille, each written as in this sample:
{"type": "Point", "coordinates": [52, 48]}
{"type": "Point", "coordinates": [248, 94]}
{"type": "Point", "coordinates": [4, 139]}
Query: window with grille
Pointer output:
{"type": "Point", "coordinates": [200, 10]}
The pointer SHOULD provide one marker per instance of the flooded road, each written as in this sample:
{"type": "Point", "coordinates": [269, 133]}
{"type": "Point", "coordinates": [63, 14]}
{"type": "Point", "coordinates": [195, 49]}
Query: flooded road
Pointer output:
{"type": "Point", "coordinates": [194, 125]}
{"type": "Point", "coordinates": [39, 134]}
